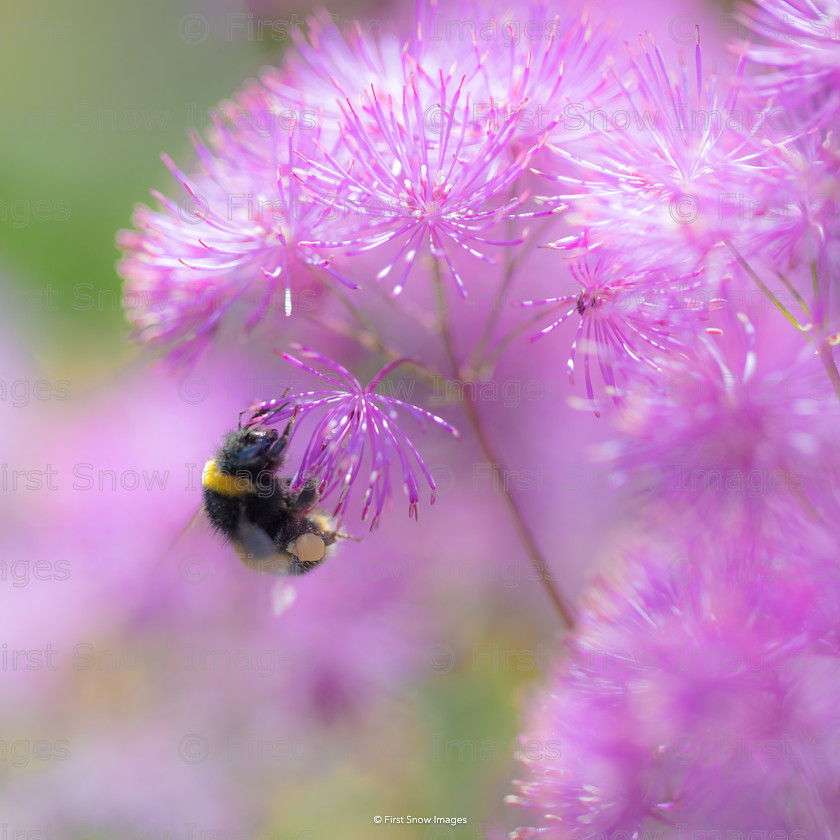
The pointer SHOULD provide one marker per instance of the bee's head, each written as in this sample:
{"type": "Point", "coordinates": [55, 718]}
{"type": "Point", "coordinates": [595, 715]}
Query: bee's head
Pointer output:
{"type": "Point", "coordinates": [252, 451]}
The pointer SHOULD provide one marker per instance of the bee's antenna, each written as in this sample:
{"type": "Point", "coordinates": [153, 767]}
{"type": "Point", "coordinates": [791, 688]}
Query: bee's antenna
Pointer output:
{"type": "Point", "coordinates": [347, 536]}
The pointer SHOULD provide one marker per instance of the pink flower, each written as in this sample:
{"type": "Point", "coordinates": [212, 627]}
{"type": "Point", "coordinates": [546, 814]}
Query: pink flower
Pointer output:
{"type": "Point", "coordinates": [629, 317]}
{"type": "Point", "coordinates": [417, 171]}
{"type": "Point", "coordinates": [694, 695]}
{"type": "Point", "coordinates": [530, 59]}
{"type": "Point", "coordinates": [796, 231]}
{"type": "Point", "coordinates": [726, 438]}
{"type": "Point", "coordinates": [353, 420]}
{"type": "Point", "coordinates": [240, 236]}
{"type": "Point", "coordinates": [796, 53]}
{"type": "Point", "coordinates": [663, 181]}
{"type": "Point", "coordinates": [331, 63]}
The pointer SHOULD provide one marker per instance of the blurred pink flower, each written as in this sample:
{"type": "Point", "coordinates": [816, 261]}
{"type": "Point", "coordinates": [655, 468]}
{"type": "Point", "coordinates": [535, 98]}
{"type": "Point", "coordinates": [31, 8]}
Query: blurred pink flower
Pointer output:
{"type": "Point", "coordinates": [725, 438]}
{"type": "Point", "coordinates": [663, 183]}
{"type": "Point", "coordinates": [796, 232]}
{"type": "Point", "coordinates": [240, 237]}
{"type": "Point", "coordinates": [192, 641]}
{"type": "Point", "coordinates": [696, 694]}
{"type": "Point", "coordinates": [795, 50]}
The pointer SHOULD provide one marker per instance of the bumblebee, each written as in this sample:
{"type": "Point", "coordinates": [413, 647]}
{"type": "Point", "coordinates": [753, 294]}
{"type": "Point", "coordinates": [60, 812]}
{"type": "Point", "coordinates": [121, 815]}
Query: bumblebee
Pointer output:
{"type": "Point", "coordinates": [272, 528]}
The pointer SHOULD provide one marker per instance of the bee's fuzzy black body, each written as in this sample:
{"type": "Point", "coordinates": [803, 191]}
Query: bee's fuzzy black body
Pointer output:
{"type": "Point", "coordinates": [253, 508]}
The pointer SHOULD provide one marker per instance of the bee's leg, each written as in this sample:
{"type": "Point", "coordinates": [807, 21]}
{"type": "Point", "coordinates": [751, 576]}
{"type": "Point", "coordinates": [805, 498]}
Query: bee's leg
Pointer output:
{"type": "Point", "coordinates": [261, 413]}
{"type": "Point", "coordinates": [303, 544]}
{"type": "Point", "coordinates": [287, 432]}
{"type": "Point", "coordinates": [267, 411]}
{"type": "Point", "coordinates": [306, 497]}
{"type": "Point", "coordinates": [283, 441]}
{"type": "Point", "coordinates": [258, 551]}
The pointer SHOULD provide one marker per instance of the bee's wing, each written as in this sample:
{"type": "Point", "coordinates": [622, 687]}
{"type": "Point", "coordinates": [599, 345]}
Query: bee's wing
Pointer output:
{"type": "Point", "coordinates": [194, 519]}
{"type": "Point", "coordinates": [257, 550]}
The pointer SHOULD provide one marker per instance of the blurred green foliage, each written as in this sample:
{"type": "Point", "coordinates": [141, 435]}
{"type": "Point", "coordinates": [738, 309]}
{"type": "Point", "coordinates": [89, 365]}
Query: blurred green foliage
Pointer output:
{"type": "Point", "coordinates": [92, 93]}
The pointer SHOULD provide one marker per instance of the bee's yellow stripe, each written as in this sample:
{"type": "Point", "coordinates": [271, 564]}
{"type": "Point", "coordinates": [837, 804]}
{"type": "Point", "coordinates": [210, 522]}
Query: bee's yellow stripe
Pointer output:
{"type": "Point", "coordinates": [228, 485]}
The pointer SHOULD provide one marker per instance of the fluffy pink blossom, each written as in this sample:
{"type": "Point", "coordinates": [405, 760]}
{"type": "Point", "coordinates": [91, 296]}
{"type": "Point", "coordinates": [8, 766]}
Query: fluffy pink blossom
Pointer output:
{"type": "Point", "coordinates": [240, 236]}
{"type": "Point", "coordinates": [331, 62]}
{"type": "Point", "coordinates": [727, 438]}
{"type": "Point", "coordinates": [796, 231]}
{"type": "Point", "coordinates": [696, 694]}
{"type": "Point", "coordinates": [662, 181]}
{"type": "Point", "coordinates": [413, 173]}
{"type": "Point", "coordinates": [794, 47]}
{"type": "Point", "coordinates": [547, 65]}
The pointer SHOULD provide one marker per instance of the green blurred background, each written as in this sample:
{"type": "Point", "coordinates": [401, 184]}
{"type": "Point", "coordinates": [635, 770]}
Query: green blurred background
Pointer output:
{"type": "Point", "coordinates": [92, 93]}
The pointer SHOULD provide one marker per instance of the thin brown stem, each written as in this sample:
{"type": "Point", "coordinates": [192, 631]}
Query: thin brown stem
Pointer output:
{"type": "Point", "coordinates": [792, 289]}
{"type": "Point", "coordinates": [824, 351]}
{"type": "Point", "coordinates": [827, 359]}
{"type": "Point", "coordinates": [471, 410]}
{"type": "Point", "coordinates": [503, 343]}
{"type": "Point", "coordinates": [355, 311]}
{"type": "Point", "coordinates": [404, 307]}
{"type": "Point", "coordinates": [366, 334]}
{"type": "Point", "coordinates": [802, 328]}
{"type": "Point", "coordinates": [512, 261]}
